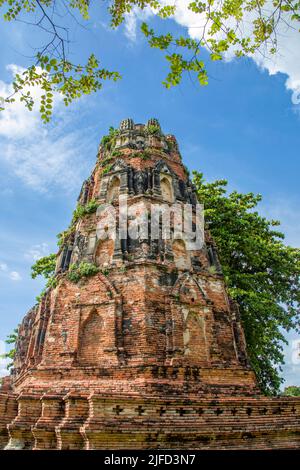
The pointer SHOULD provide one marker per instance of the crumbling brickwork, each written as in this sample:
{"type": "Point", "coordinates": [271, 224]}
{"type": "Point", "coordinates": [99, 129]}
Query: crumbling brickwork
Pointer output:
{"type": "Point", "coordinates": [149, 351]}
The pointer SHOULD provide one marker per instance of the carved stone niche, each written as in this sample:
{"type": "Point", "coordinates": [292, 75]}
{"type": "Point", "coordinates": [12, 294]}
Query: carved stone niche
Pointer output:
{"type": "Point", "coordinates": [166, 187]}
{"type": "Point", "coordinates": [91, 338]}
{"type": "Point", "coordinates": [91, 243]}
{"type": "Point", "coordinates": [140, 142]}
{"type": "Point", "coordinates": [163, 181]}
{"type": "Point", "coordinates": [104, 252]}
{"type": "Point", "coordinates": [113, 189]}
{"type": "Point", "coordinates": [116, 182]}
{"type": "Point", "coordinates": [181, 255]}
{"type": "Point", "coordinates": [190, 318]}
{"type": "Point", "coordinates": [140, 182]}
{"type": "Point", "coordinates": [194, 338]}
{"type": "Point", "coordinates": [97, 335]}
{"type": "Point", "coordinates": [78, 249]}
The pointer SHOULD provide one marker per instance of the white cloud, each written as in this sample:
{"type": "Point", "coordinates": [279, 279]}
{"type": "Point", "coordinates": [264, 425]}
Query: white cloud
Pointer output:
{"type": "Point", "coordinates": [12, 275]}
{"type": "Point", "coordinates": [131, 26]}
{"type": "Point", "coordinates": [15, 276]}
{"type": "Point", "coordinates": [37, 251]}
{"type": "Point", "coordinates": [286, 60]}
{"type": "Point", "coordinates": [42, 156]}
{"type": "Point", "coordinates": [3, 266]}
{"type": "Point", "coordinates": [17, 122]}
{"type": "Point", "coordinates": [132, 18]}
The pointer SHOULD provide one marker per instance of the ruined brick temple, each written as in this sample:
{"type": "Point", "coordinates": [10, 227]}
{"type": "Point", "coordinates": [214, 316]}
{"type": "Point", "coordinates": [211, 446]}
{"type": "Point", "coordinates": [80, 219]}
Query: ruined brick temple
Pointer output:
{"type": "Point", "coordinates": [149, 351]}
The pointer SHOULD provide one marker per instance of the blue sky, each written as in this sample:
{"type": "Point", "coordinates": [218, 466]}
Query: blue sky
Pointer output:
{"type": "Point", "coordinates": [242, 127]}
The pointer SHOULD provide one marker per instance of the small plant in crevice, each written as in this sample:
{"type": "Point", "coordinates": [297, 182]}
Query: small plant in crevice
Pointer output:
{"type": "Point", "coordinates": [103, 163]}
{"type": "Point", "coordinates": [105, 271]}
{"type": "Point", "coordinates": [170, 145]}
{"type": "Point", "coordinates": [62, 237]}
{"type": "Point", "coordinates": [106, 169]}
{"type": "Point", "coordinates": [153, 130]}
{"type": "Point", "coordinates": [82, 270]}
{"type": "Point", "coordinates": [212, 270]}
{"type": "Point", "coordinates": [116, 154]}
{"type": "Point", "coordinates": [145, 155]}
{"type": "Point", "coordinates": [82, 210]}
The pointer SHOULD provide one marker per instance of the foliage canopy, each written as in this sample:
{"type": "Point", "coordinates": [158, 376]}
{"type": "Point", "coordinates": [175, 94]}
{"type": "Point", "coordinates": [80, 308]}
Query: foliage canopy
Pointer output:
{"type": "Point", "coordinates": [292, 391]}
{"type": "Point", "coordinates": [239, 26]}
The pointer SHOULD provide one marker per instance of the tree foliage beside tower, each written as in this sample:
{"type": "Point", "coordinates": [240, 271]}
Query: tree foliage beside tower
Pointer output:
{"type": "Point", "coordinates": [261, 273]}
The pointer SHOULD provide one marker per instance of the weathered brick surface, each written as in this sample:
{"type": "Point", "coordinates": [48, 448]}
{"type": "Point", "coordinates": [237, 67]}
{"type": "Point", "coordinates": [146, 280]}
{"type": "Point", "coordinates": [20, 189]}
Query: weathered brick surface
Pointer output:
{"type": "Point", "coordinates": [148, 353]}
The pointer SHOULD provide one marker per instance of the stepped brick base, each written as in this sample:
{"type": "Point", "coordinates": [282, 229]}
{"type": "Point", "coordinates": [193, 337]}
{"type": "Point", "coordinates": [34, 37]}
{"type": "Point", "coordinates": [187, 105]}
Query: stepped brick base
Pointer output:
{"type": "Point", "coordinates": [8, 411]}
{"type": "Point", "coordinates": [100, 421]}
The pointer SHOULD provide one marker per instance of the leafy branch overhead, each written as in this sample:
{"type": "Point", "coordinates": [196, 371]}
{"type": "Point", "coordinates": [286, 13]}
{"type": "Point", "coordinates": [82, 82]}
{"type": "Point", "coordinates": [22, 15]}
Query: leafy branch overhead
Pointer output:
{"type": "Point", "coordinates": [239, 26]}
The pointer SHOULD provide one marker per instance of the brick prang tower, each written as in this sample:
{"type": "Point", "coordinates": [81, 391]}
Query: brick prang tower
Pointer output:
{"type": "Point", "coordinates": [138, 344]}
